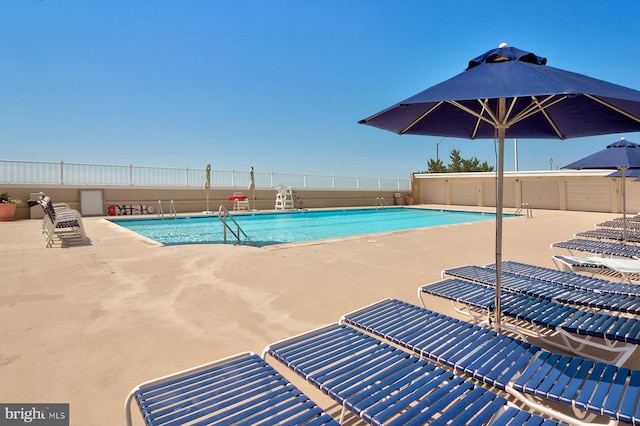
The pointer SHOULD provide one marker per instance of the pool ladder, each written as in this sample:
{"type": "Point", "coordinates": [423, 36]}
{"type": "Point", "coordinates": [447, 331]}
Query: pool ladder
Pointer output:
{"type": "Point", "coordinates": [172, 209]}
{"type": "Point", "coordinates": [223, 215]}
{"type": "Point", "coordinates": [524, 206]}
{"type": "Point", "coordinates": [381, 203]}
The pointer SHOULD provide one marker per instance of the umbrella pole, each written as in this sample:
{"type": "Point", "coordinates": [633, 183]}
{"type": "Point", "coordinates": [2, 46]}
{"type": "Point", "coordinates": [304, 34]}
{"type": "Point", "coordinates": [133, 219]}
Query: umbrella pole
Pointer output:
{"type": "Point", "coordinates": [623, 172]}
{"type": "Point", "coordinates": [499, 203]}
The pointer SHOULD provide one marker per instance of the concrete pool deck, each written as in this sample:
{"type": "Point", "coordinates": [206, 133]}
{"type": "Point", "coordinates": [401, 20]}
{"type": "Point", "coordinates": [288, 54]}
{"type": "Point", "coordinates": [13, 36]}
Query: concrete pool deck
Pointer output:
{"type": "Point", "coordinates": [85, 324]}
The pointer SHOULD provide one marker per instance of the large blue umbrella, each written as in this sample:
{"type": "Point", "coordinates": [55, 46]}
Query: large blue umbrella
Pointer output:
{"type": "Point", "coordinates": [622, 156]}
{"type": "Point", "coordinates": [510, 92]}
{"type": "Point", "coordinates": [629, 173]}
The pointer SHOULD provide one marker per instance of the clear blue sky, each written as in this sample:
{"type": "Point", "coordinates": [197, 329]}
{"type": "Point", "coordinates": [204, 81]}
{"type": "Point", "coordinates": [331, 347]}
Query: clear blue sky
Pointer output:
{"type": "Point", "coordinates": [277, 84]}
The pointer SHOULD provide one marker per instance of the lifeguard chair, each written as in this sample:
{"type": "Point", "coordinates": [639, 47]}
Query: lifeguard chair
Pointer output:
{"type": "Point", "coordinates": [240, 201]}
{"type": "Point", "coordinates": [284, 198]}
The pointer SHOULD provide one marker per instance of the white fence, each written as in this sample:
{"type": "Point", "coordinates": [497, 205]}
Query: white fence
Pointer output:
{"type": "Point", "coordinates": [49, 173]}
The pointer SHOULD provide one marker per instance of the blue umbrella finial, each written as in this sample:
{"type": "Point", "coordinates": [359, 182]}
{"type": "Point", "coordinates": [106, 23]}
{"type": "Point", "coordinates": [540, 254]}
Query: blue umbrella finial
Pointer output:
{"type": "Point", "coordinates": [505, 53]}
{"type": "Point", "coordinates": [623, 143]}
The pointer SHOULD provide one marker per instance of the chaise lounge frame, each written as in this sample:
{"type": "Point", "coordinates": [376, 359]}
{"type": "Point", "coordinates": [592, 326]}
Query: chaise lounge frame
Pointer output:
{"type": "Point", "coordinates": [525, 371]}
{"type": "Point", "coordinates": [597, 247]}
{"type": "Point", "coordinates": [577, 329]}
{"type": "Point", "coordinates": [241, 388]}
{"type": "Point", "coordinates": [596, 299]}
{"type": "Point", "coordinates": [383, 384]}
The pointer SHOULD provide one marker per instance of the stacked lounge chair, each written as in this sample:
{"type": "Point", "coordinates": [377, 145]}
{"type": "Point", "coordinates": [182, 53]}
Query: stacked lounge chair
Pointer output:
{"type": "Point", "coordinates": [61, 221]}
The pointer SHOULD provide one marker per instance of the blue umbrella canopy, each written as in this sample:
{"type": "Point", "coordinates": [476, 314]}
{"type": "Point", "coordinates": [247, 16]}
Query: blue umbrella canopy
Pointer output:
{"type": "Point", "coordinates": [541, 102]}
{"type": "Point", "coordinates": [624, 156]}
{"type": "Point", "coordinates": [508, 91]}
{"type": "Point", "coordinates": [629, 173]}
{"type": "Point", "coordinates": [619, 155]}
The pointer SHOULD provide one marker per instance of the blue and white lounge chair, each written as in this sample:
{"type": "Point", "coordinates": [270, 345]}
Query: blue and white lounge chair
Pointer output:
{"type": "Point", "coordinates": [64, 222]}
{"type": "Point", "coordinates": [620, 223]}
{"type": "Point", "coordinates": [242, 389]}
{"type": "Point", "coordinates": [613, 234]}
{"type": "Point", "coordinates": [386, 385]}
{"type": "Point", "coordinates": [597, 247]}
{"type": "Point", "coordinates": [549, 290]}
{"type": "Point", "coordinates": [626, 269]}
{"type": "Point", "coordinates": [634, 218]}
{"type": "Point", "coordinates": [569, 279]}
{"type": "Point", "coordinates": [525, 371]}
{"type": "Point", "coordinates": [618, 336]}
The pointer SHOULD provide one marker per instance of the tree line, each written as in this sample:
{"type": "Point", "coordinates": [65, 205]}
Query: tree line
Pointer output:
{"type": "Point", "coordinates": [458, 164]}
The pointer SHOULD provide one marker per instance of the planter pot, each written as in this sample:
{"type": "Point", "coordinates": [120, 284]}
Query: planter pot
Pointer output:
{"type": "Point", "coordinates": [7, 212]}
{"type": "Point", "coordinates": [409, 201]}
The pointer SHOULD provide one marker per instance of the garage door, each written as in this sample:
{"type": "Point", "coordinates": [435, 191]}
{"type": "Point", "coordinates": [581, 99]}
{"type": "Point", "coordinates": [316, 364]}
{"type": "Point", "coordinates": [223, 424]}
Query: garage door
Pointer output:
{"type": "Point", "coordinates": [589, 195]}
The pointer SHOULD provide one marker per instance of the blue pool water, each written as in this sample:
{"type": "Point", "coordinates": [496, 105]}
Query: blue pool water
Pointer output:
{"type": "Point", "coordinates": [289, 227]}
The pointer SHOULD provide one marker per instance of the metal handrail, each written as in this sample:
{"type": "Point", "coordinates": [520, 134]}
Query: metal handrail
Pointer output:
{"type": "Point", "coordinates": [172, 209]}
{"type": "Point", "coordinates": [223, 214]}
{"type": "Point", "coordinates": [381, 203]}
{"type": "Point", "coordinates": [525, 206]}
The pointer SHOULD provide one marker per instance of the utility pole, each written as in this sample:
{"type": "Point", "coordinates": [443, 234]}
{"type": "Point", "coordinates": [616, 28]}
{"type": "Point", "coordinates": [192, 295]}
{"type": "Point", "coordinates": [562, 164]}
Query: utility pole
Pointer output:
{"type": "Point", "coordinates": [437, 145]}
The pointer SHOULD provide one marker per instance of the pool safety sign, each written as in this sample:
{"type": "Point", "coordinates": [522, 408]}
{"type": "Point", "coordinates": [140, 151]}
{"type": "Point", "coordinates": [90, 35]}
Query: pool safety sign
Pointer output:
{"type": "Point", "coordinates": [34, 414]}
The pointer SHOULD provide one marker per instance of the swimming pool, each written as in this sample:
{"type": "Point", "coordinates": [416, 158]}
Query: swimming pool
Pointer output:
{"type": "Point", "coordinates": [289, 227]}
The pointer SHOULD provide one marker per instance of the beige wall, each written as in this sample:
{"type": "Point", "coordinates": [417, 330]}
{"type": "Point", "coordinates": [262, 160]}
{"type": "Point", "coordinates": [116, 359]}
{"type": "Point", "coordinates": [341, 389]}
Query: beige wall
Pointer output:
{"type": "Point", "coordinates": [591, 193]}
{"type": "Point", "coordinates": [554, 190]}
{"type": "Point", "coordinates": [464, 193]}
{"type": "Point", "coordinates": [194, 200]}
{"type": "Point", "coordinates": [432, 191]}
{"type": "Point", "coordinates": [544, 194]}
{"type": "Point", "coordinates": [633, 196]}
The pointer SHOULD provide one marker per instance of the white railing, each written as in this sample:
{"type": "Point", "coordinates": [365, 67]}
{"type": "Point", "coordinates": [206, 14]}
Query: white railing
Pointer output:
{"type": "Point", "coordinates": [79, 174]}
